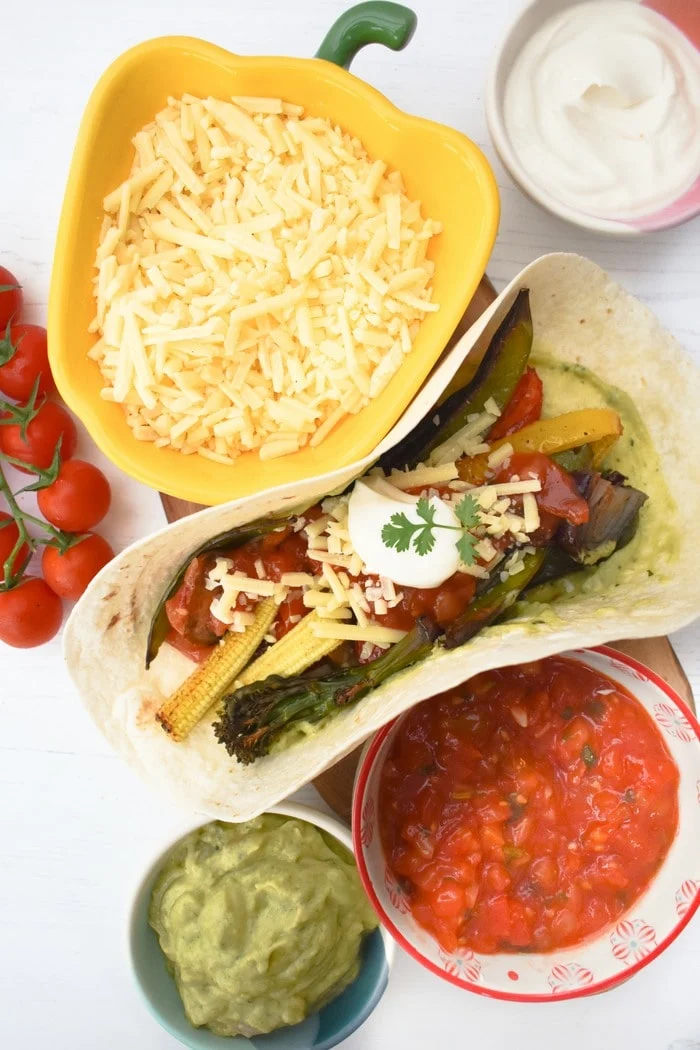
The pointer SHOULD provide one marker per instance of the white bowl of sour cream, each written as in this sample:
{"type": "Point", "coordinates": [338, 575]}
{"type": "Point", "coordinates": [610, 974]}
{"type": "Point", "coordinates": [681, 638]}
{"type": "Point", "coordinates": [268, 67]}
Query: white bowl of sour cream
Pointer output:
{"type": "Point", "coordinates": [594, 110]}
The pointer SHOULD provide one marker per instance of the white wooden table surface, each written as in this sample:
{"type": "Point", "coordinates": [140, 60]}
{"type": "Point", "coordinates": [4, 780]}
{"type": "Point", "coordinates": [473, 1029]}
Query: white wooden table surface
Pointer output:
{"type": "Point", "coordinates": [75, 824]}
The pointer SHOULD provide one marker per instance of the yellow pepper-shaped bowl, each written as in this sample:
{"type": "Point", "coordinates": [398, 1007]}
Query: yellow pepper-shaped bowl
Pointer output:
{"type": "Point", "coordinates": [441, 168]}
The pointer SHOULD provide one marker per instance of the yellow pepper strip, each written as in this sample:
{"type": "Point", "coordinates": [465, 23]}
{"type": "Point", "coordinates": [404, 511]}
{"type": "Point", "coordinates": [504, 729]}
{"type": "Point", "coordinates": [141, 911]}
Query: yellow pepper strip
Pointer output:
{"type": "Point", "coordinates": [598, 427]}
{"type": "Point", "coordinates": [601, 447]}
{"type": "Point", "coordinates": [181, 712]}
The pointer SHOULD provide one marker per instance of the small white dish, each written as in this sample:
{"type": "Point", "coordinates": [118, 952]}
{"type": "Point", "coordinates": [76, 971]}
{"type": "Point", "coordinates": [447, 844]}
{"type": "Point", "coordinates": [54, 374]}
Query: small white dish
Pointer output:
{"type": "Point", "coordinates": [525, 25]}
{"type": "Point", "coordinates": [609, 956]}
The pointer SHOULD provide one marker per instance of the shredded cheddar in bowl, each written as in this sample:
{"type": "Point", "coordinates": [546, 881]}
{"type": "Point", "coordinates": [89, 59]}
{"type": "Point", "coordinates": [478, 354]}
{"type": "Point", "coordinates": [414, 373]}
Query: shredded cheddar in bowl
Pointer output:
{"type": "Point", "coordinates": [259, 278]}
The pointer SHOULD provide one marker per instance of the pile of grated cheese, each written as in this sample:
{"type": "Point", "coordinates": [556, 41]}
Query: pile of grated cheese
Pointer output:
{"type": "Point", "coordinates": [259, 278]}
{"type": "Point", "coordinates": [345, 600]}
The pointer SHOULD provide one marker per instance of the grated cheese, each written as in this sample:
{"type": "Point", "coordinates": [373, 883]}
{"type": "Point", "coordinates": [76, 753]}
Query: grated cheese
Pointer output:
{"type": "Point", "coordinates": [515, 488]}
{"type": "Point", "coordinates": [531, 514]}
{"type": "Point", "coordinates": [464, 440]}
{"type": "Point", "coordinates": [233, 585]}
{"type": "Point", "coordinates": [335, 584]}
{"type": "Point", "coordinates": [342, 561]}
{"type": "Point", "coordinates": [479, 571]}
{"type": "Point", "coordinates": [485, 549]}
{"type": "Point", "coordinates": [355, 633]}
{"type": "Point", "coordinates": [337, 596]}
{"type": "Point", "coordinates": [248, 585]}
{"type": "Point", "coordinates": [316, 528]}
{"type": "Point", "coordinates": [257, 260]}
{"type": "Point", "coordinates": [297, 579]}
{"type": "Point", "coordinates": [500, 455]}
{"type": "Point", "coordinates": [423, 476]}
{"type": "Point", "coordinates": [380, 484]}
{"type": "Point", "coordinates": [314, 599]}
{"type": "Point", "coordinates": [341, 613]}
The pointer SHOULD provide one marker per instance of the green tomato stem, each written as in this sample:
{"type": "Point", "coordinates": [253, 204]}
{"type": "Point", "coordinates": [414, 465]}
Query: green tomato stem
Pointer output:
{"type": "Point", "coordinates": [23, 465]}
{"type": "Point", "coordinates": [10, 577]}
{"type": "Point", "coordinates": [55, 533]}
{"type": "Point", "coordinates": [61, 540]}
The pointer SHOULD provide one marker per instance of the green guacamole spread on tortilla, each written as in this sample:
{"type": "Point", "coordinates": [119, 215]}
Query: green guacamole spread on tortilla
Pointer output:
{"type": "Point", "coordinates": [261, 923]}
{"type": "Point", "coordinates": [568, 387]}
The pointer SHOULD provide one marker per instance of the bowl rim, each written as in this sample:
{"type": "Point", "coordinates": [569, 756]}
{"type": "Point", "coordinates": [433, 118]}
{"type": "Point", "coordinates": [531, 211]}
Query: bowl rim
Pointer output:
{"type": "Point", "coordinates": [493, 105]}
{"type": "Point", "coordinates": [299, 811]}
{"type": "Point", "coordinates": [121, 448]}
{"type": "Point", "coordinates": [364, 771]}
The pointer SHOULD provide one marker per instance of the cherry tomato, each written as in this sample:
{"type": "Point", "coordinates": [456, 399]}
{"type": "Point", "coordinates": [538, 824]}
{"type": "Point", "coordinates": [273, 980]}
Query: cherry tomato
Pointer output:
{"type": "Point", "coordinates": [69, 574]}
{"type": "Point", "coordinates": [78, 499]}
{"type": "Point", "coordinates": [10, 298]}
{"type": "Point", "coordinates": [49, 424]}
{"type": "Point", "coordinates": [525, 406]}
{"type": "Point", "coordinates": [23, 357]}
{"type": "Point", "coordinates": [9, 535]}
{"type": "Point", "coordinates": [30, 613]}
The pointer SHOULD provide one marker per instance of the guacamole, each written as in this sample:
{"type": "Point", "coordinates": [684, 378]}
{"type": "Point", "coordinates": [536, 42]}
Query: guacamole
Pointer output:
{"type": "Point", "coordinates": [261, 923]}
{"type": "Point", "coordinates": [568, 387]}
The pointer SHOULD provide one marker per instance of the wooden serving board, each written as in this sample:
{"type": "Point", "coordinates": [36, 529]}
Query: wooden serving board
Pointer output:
{"type": "Point", "coordinates": [335, 785]}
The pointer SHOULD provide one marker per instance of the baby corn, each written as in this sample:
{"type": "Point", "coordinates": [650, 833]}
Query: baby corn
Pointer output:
{"type": "Point", "coordinates": [294, 653]}
{"type": "Point", "coordinates": [205, 687]}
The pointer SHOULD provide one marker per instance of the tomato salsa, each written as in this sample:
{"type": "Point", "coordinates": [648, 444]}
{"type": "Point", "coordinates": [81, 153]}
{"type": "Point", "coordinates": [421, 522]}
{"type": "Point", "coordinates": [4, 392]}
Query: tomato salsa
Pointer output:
{"type": "Point", "coordinates": [528, 809]}
{"type": "Point", "coordinates": [194, 629]}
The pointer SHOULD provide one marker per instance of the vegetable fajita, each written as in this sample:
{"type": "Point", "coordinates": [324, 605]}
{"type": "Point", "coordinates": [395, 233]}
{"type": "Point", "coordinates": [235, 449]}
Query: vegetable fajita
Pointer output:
{"type": "Point", "coordinates": [488, 500]}
{"type": "Point", "coordinates": [605, 364]}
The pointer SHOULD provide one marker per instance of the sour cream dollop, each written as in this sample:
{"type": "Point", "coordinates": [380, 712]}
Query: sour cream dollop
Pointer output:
{"type": "Point", "coordinates": [602, 107]}
{"type": "Point", "coordinates": [369, 511]}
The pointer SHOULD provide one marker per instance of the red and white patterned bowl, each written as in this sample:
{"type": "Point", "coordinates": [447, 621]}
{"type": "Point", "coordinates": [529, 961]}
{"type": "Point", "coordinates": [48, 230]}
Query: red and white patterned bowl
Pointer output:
{"type": "Point", "coordinates": [610, 956]}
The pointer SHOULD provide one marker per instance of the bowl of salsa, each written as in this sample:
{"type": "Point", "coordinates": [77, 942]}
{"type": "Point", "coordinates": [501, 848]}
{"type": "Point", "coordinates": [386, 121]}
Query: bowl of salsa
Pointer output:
{"type": "Point", "coordinates": [532, 835]}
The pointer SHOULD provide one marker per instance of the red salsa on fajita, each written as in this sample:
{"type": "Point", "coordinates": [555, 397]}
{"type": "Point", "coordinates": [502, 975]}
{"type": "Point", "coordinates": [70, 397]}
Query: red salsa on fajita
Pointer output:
{"type": "Point", "coordinates": [527, 810]}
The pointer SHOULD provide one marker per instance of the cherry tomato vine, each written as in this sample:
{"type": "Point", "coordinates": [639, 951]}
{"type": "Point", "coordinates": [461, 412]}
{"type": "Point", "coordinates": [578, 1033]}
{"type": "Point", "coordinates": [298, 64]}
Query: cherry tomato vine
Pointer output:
{"type": "Point", "coordinates": [38, 437]}
{"type": "Point", "coordinates": [52, 537]}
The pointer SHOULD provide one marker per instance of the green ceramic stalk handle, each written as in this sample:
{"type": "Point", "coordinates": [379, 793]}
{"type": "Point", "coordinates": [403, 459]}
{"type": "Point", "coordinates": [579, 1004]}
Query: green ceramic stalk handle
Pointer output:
{"type": "Point", "coordinates": [375, 22]}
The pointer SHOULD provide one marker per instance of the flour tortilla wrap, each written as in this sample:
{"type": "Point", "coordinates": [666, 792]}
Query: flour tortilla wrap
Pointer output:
{"type": "Point", "coordinates": [580, 317]}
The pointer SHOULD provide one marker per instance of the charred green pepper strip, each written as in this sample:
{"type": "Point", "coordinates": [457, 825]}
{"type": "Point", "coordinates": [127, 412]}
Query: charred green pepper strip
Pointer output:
{"type": "Point", "coordinates": [575, 458]}
{"type": "Point", "coordinates": [496, 377]}
{"type": "Point", "coordinates": [494, 601]}
{"type": "Point", "coordinates": [224, 541]}
{"type": "Point", "coordinates": [253, 717]}
{"type": "Point", "coordinates": [557, 563]}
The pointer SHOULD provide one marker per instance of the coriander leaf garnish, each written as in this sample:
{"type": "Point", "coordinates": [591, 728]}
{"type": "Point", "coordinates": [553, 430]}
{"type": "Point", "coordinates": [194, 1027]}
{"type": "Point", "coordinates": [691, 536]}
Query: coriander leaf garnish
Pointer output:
{"type": "Point", "coordinates": [424, 540]}
{"type": "Point", "coordinates": [465, 546]}
{"type": "Point", "coordinates": [467, 511]}
{"type": "Point", "coordinates": [589, 756]}
{"type": "Point", "coordinates": [425, 511]}
{"type": "Point", "coordinates": [400, 532]}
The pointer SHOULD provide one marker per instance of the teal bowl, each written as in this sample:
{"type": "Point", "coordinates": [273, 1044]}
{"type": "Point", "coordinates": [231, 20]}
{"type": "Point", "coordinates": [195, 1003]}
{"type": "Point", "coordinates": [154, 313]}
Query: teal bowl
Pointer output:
{"type": "Point", "coordinates": [321, 1031]}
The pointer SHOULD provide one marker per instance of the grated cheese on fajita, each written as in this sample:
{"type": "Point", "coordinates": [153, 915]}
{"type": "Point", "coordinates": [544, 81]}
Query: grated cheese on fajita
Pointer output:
{"type": "Point", "coordinates": [342, 589]}
{"type": "Point", "coordinates": [259, 278]}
